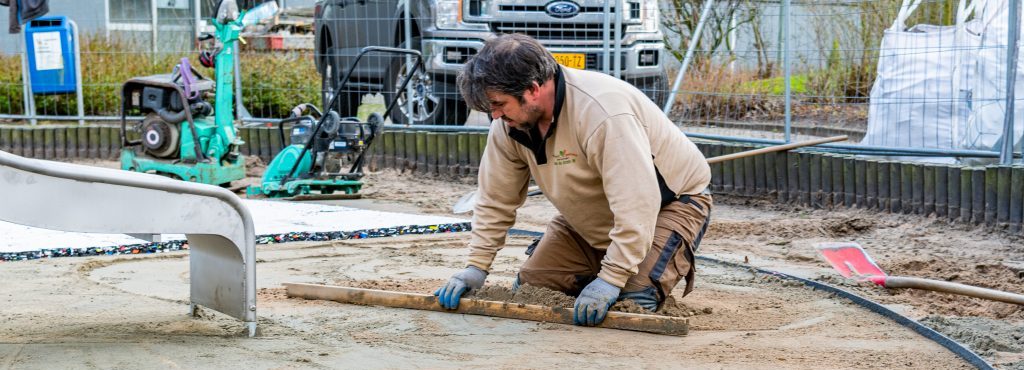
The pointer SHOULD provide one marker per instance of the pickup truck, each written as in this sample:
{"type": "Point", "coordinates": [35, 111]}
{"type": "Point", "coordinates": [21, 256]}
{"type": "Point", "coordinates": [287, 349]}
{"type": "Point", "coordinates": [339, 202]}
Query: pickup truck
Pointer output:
{"type": "Point", "coordinates": [577, 32]}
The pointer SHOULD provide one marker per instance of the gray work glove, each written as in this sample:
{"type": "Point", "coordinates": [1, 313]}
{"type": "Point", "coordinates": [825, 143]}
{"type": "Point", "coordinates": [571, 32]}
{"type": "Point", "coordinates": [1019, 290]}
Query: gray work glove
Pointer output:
{"type": "Point", "coordinates": [593, 303]}
{"type": "Point", "coordinates": [465, 281]}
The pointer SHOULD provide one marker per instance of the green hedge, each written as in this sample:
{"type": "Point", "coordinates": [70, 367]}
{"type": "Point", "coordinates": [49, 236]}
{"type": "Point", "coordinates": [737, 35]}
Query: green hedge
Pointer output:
{"type": "Point", "coordinates": [272, 83]}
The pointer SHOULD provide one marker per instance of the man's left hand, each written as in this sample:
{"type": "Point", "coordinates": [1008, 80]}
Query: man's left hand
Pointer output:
{"type": "Point", "coordinates": [593, 303]}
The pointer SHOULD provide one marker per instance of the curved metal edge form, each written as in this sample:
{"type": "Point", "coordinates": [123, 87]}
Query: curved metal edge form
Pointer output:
{"type": "Point", "coordinates": [952, 345]}
{"type": "Point", "coordinates": [219, 228]}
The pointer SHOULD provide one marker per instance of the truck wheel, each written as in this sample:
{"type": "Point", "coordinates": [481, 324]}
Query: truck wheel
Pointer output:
{"type": "Point", "coordinates": [430, 104]}
{"type": "Point", "coordinates": [346, 105]}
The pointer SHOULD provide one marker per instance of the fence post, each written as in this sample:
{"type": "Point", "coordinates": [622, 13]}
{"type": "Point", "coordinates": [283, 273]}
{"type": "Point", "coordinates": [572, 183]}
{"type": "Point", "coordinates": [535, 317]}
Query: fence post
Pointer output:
{"type": "Point", "coordinates": [694, 40]}
{"type": "Point", "coordinates": [79, 99]}
{"type": "Point", "coordinates": [786, 8]}
{"type": "Point", "coordinates": [28, 99]}
{"type": "Point", "coordinates": [407, 27]}
{"type": "Point", "coordinates": [197, 19]}
{"type": "Point", "coordinates": [619, 5]}
{"type": "Point", "coordinates": [1013, 16]}
{"type": "Point", "coordinates": [153, 26]}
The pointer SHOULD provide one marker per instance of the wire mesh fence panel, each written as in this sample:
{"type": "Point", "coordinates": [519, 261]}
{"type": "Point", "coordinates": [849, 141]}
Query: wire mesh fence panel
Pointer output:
{"type": "Point", "coordinates": [736, 76]}
{"type": "Point", "coordinates": [902, 72]}
{"type": "Point", "coordinates": [11, 81]}
{"type": "Point", "coordinates": [731, 61]}
{"type": "Point", "coordinates": [915, 73]}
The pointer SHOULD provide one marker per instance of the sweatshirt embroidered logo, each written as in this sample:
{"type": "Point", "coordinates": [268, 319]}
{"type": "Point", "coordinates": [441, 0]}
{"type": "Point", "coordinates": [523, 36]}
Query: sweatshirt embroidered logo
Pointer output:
{"type": "Point", "coordinates": [563, 157]}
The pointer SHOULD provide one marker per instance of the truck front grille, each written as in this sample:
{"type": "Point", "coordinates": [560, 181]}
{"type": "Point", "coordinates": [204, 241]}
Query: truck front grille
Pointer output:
{"type": "Point", "coordinates": [556, 31]}
{"type": "Point", "coordinates": [541, 9]}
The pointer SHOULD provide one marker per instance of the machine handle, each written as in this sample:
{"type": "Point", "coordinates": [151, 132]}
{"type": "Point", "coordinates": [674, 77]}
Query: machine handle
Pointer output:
{"type": "Point", "coordinates": [379, 49]}
{"type": "Point", "coordinates": [337, 92]}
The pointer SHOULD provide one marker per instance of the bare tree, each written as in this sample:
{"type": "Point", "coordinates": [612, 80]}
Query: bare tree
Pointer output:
{"type": "Point", "coordinates": [680, 19]}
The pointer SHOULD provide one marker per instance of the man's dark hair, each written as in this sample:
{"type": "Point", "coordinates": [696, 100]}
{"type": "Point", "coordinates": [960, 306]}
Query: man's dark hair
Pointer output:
{"type": "Point", "coordinates": [509, 64]}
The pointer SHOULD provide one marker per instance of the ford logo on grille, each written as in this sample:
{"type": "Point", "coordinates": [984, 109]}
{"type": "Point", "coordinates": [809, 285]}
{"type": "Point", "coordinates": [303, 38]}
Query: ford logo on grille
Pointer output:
{"type": "Point", "coordinates": [562, 9]}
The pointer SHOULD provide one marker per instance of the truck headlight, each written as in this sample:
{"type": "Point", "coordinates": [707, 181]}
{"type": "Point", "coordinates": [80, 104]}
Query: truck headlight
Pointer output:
{"type": "Point", "coordinates": [449, 16]}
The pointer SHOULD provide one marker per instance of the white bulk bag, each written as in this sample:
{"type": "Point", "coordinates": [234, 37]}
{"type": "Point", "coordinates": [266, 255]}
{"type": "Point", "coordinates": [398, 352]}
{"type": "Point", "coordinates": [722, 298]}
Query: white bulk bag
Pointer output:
{"type": "Point", "coordinates": [917, 100]}
{"type": "Point", "coordinates": [984, 128]}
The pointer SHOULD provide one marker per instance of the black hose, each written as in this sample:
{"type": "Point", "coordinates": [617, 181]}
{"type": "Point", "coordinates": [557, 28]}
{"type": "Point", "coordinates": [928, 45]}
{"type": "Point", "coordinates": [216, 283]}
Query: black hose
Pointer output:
{"type": "Point", "coordinates": [171, 117]}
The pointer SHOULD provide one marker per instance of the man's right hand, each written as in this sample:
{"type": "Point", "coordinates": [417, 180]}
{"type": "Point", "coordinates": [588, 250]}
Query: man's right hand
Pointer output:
{"type": "Point", "coordinates": [464, 281]}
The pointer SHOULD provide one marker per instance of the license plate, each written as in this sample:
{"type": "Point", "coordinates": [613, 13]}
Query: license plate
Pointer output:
{"type": "Point", "coordinates": [571, 60]}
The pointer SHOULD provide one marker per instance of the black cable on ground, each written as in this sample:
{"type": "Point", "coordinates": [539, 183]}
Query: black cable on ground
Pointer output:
{"type": "Point", "coordinates": [175, 245]}
{"type": "Point", "coordinates": [952, 345]}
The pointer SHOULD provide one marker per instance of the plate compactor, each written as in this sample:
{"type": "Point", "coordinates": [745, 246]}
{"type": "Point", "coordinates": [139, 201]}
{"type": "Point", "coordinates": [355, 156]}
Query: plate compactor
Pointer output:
{"type": "Point", "coordinates": [321, 144]}
{"type": "Point", "coordinates": [182, 136]}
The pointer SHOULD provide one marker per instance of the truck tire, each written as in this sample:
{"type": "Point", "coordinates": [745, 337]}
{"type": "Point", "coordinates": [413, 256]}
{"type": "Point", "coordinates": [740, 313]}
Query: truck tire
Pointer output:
{"type": "Point", "coordinates": [330, 77]}
{"type": "Point", "coordinates": [429, 106]}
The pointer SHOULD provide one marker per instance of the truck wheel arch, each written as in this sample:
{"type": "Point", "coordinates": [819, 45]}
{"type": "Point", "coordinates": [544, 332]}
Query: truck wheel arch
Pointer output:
{"type": "Point", "coordinates": [400, 28]}
{"type": "Point", "coordinates": [323, 47]}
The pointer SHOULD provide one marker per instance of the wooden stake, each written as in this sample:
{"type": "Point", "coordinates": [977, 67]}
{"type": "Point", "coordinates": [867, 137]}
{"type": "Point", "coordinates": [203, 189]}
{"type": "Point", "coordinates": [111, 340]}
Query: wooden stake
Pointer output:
{"type": "Point", "coordinates": [615, 320]}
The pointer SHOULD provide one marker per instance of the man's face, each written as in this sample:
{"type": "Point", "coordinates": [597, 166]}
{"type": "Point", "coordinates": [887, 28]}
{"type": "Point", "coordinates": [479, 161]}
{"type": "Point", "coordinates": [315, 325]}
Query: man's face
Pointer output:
{"type": "Point", "coordinates": [522, 116]}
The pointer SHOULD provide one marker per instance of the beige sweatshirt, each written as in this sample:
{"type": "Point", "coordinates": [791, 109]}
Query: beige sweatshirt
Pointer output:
{"type": "Point", "coordinates": [596, 168]}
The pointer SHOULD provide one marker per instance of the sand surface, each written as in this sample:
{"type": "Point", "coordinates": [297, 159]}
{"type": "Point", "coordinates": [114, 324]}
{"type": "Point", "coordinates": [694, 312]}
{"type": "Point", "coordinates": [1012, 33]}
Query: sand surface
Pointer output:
{"type": "Point", "coordinates": [129, 312]}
